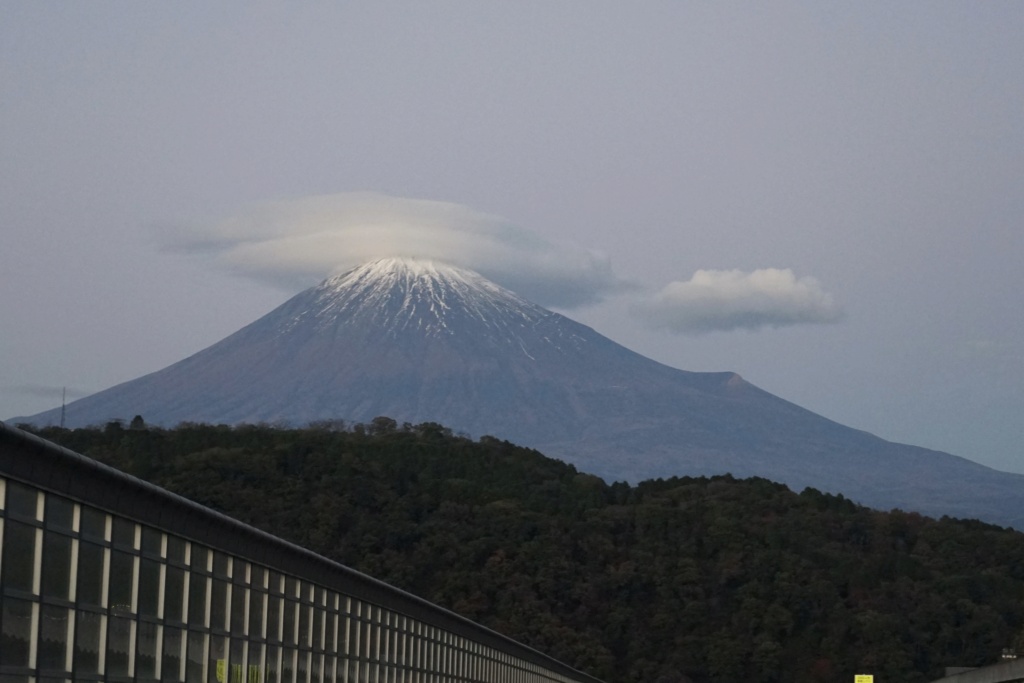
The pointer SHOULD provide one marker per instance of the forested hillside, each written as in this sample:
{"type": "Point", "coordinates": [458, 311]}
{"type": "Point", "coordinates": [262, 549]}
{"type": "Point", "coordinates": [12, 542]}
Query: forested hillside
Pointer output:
{"type": "Point", "coordinates": [706, 579]}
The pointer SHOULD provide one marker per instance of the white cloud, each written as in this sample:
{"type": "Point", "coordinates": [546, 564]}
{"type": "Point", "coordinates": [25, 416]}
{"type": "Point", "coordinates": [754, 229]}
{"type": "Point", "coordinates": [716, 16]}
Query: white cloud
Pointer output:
{"type": "Point", "coordinates": [723, 300]}
{"type": "Point", "coordinates": [299, 242]}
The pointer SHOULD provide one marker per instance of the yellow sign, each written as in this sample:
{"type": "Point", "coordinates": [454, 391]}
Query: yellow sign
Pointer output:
{"type": "Point", "coordinates": [864, 678]}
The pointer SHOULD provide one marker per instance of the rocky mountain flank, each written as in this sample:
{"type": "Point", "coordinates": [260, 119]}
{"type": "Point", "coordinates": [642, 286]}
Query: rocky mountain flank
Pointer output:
{"type": "Point", "coordinates": [424, 342]}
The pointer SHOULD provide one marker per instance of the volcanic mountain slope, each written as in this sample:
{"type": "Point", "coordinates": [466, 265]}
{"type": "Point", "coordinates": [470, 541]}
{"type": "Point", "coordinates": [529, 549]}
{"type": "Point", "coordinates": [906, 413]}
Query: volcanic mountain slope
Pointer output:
{"type": "Point", "coordinates": [424, 342]}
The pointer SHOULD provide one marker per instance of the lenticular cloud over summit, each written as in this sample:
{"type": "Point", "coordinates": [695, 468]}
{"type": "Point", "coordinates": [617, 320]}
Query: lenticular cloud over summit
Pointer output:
{"type": "Point", "coordinates": [296, 242]}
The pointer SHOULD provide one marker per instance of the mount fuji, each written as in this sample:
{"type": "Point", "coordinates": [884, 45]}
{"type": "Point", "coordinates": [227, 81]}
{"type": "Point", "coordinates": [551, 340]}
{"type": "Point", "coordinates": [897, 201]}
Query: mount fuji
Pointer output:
{"type": "Point", "coordinates": [420, 341]}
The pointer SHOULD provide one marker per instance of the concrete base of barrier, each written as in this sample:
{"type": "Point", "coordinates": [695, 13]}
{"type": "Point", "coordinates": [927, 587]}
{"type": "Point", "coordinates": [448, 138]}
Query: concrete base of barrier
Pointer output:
{"type": "Point", "coordinates": [1004, 672]}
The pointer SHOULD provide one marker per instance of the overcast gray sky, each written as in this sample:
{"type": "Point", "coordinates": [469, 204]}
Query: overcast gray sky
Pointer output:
{"type": "Point", "coordinates": [824, 197]}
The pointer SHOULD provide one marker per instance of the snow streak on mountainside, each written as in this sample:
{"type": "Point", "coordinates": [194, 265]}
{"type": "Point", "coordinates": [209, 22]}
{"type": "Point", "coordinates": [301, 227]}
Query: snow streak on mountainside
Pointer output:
{"type": "Point", "coordinates": [419, 341]}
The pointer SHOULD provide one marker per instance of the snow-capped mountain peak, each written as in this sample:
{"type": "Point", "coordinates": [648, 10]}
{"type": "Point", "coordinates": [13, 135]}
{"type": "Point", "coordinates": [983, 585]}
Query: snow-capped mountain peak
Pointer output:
{"type": "Point", "coordinates": [402, 294]}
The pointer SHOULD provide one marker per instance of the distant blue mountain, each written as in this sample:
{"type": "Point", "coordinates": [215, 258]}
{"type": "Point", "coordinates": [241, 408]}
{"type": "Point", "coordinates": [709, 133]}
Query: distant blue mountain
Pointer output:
{"type": "Point", "coordinates": [425, 342]}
